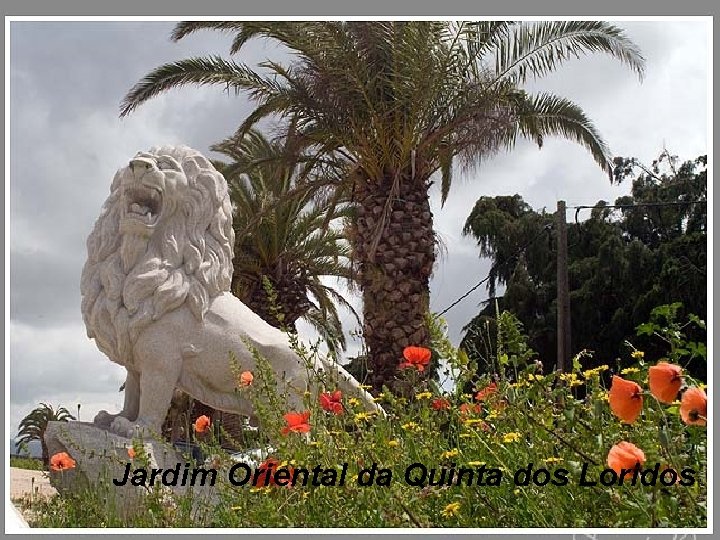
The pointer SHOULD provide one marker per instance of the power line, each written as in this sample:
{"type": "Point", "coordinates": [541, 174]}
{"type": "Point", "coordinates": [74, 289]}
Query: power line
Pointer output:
{"type": "Point", "coordinates": [493, 268]}
{"type": "Point", "coordinates": [637, 205]}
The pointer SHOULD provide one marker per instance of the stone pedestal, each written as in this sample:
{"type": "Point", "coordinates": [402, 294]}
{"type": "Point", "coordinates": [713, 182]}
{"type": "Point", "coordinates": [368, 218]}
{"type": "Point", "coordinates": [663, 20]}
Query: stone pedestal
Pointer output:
{"type": "Point", "coordinates": [102, 456]}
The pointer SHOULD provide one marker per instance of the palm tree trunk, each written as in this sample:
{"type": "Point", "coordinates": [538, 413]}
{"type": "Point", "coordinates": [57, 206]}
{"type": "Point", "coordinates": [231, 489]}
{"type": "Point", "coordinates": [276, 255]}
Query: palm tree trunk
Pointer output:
{"type": "Point", "coordinates": [395, 277]}
{"type": "Point", "coordinates": [292, 303]}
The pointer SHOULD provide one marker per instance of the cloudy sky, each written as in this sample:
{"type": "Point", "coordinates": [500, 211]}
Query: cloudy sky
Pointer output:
{"type": "Point", "coordinates": [66, 142]}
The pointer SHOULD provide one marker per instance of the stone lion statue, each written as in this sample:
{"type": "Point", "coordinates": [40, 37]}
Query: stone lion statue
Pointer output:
{"type": "Point", "coordinates": [156, 295]}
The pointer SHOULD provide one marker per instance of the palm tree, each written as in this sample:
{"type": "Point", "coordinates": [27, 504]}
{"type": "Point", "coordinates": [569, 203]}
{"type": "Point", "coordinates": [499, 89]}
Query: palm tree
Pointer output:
{"type": "Point", "coordinates": [33, 426]}
{"type": "Point", "coordinates": [281, 259]}
{"type": "Point", "coordinates": [402, 101]}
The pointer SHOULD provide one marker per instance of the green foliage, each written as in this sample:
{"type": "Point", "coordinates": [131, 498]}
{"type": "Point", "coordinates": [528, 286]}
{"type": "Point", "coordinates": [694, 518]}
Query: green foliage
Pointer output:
{"type": "Point", "coordinates": [33, 426]}
{"type": "Point", "coordinates": [664, 325]}
{"type": "Point", "coordinates": [519, 423]}
{"type": "Point", "coordinates": [27, 463]}
{"type": "Point", "coordinates": [622, 263]}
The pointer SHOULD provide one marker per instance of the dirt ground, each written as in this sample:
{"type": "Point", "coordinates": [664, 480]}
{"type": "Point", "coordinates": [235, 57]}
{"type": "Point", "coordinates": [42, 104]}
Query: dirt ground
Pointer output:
{"type": "Point", "coordinates": [25, 483]}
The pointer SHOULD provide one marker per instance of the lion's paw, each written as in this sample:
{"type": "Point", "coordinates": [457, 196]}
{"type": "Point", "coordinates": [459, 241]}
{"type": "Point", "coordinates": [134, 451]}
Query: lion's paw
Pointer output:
{"type": "Point", "coordinates": [125, 428]}
{"type": "Point", "coordinates": [104, 419]}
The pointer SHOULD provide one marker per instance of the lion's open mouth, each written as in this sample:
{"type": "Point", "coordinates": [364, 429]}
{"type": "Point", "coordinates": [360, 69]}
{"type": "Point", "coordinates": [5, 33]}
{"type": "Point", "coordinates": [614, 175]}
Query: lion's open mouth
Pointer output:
{"type": "Point", "coordinates": [143, 204]}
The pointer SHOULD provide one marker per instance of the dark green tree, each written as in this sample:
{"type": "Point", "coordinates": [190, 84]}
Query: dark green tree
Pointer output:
{"type": "Point", "coordinates": [649, 251]}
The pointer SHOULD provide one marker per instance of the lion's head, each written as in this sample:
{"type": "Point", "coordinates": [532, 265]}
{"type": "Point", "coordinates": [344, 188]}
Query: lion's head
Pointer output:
{"type": "Point", "coordinates": [164, 238]}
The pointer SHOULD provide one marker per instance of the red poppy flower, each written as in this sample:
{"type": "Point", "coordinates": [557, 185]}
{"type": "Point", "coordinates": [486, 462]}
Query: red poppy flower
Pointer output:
{"type": "Point", "coordinates": [625, 399]}
{"type": "Point", "coordinates": [332, 402]}
{"type": "Point", "coordinates": [61, 462]}
{"type": "Point", "coordinates": [665, 381]}
{"type": "Point", "coordinates": [417, 357]}
{"type": "Point", "coordinates": [131, 452]}
{"type": "Point", "coordinates": [440, 404]}
{"type": "Point", "coordinates": [486, 392]}
{"type": "Point", "coordinates": [246, 378]}
{"type": "Point", "coordinates": [296, 422]}
{"type": "Point", "coordinates": [202, 424]}
{"type": "Point", "coordinates": [625, 455]}
{"type": "Point", "coordinates": [273, 465]}
{"type": "Point", "coordinates": [693, 407]}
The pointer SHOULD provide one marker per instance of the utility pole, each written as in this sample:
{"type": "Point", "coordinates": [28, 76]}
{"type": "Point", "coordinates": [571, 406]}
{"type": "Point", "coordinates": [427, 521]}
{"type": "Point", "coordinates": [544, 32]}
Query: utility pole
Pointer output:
{"type": "Point", "coordinates": [563, 292]}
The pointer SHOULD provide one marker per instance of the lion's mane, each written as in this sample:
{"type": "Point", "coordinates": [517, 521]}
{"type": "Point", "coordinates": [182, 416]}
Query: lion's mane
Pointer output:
{"type": "Point", "coordinates": [188, 259]}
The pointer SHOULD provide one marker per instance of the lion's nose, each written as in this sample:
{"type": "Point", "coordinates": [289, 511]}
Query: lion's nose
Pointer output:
{"type": "Point", "coordinates": [139, 166]}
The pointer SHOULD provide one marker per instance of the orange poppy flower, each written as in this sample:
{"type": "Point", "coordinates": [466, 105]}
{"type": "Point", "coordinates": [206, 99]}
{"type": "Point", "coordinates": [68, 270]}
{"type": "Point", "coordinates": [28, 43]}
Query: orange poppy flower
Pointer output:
{"type": "Point", "coordinates": [332, 402]}
{"type": "Point", "coordinates": [202, 424]}
{"type": "Point", "coordinates": [625, 455]}
{"type": "Point", "coordinates": [246, 378]}
{"type": "Point", "coordinates": [417, 357]}
{"type": "Point", "coordinates": [486, 392]}
{"type": "Point", "coordinates": [131, 452]}
{"type": "Point", "coordinates": [440, 404]}
{"type": "Point", "coordinates": [625, 399]}
{"type": "Point", "coordinates": [296, 422]}
{"type": "Point", "coordinates": [693, 407]}
{"type": "Point", "coordinates": [665, 380]}
{"type": "Point", "coordinates": [61, 462]}
{"type": "Point", "coordinates": [467, 408]}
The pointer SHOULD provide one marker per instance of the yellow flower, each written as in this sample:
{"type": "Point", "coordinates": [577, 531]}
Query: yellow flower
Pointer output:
{"type": "Point", "coordinates": [393, 443]}
{"type": "Point", "coordinates": [590, 373]}
{"type": "Point", "coordinates": [533, 377]}
{"type": "Point", "coordinates": [628, 371]}
{"type": "Point", "coordinates": [451, 453]}
{"type": "Point", "coordinates": [473, 421]}
{"type": "Point", "coordinates": [702, 386]}
{"type": "Point", "coordinates": [604, 396]}
{"type": "Point", "coordinates": [423, 395]}
{"type": "Point", "coordinates": [491, 416]}
{"type": "Point", "coordinates": [576, 382]}
{"type": "Point", "coordinates": [511, 437]}
{"type": "Point", "coordinates": [476, 463]}
{"type": "Point", "coordinates": [353, 401]}
{"type": "Point", "coordinates": [359, 417]}
{"type": "Point", "coordinates": [604, 367]}
{"type": "Point", "coordinates": [569, 377]}
{"type": "Point", "coordinates": [365, 386]}
{"type": "Point", "coordinates": [465, 435]}
{"type": "Point", "coordinates": [553, 460]}
{"type": "Point", "coordinates": [637, 355]}
{"type": "Point", "coordinates": [307, 394]}
{"type": "Point", "coordinates": [519, 384]}
{"type": "Point", "coordinates": [411, 426]}
{"type": "Point", "coordinates": [451, 509]}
